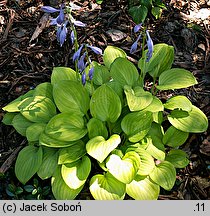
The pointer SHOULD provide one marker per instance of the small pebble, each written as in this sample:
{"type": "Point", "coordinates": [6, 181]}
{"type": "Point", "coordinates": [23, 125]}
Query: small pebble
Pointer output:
{"type": "Point", "coordinates": [202, 46]}
{"type": "Point", "coordinates": [193, 156]}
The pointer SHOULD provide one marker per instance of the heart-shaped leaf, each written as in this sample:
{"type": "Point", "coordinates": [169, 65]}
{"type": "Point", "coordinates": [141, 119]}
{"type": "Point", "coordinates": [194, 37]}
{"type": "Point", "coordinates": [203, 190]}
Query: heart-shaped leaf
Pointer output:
{"type": "Point", "coordinates": [37, 109]}
{"type": "Point", "coordinates": [147, 163]}
{"type": "Point", "coordinates": [75, 174]}
{"type": "Point", "coordinates": [71, 96]}
{"type": "Point", "coordinates": [60, 189]}
{"type": "Point", "coordinates": [194, 121]}
{"type": "Point", "coordinates": [124, 169]}
{"type": "Point", "coordinates": [28, 163]}
{"type": "Point", "coordinates": [62, 73]}
{"type": "Point", "coordinates": [111, 53]}
{"type": "Point", "coordinates": [33, 132]}
{"type": "Point", "coordinates": [13, 106]}
{"type": "Point", "coordinates": [164, 174]}
{"type": "Point", "coordinates": [174, 137]}
{"type": "Point", "coordinates": [20, 123]}
{"type": "Point", "coordinates": [117, 89]}
{"type": "Point", "coordinates": [142, 188]}
{"type": "Point", "coordinates": [106, 187]}
{"type": "Point", "coordinates": [176, 78]}
{"type": "Point", "coordinates": [153, 150]}
{"type": "Point", "coordinates": [8, 118]}
{"type": "Point", "coordinates": [95, 128]}
{"type": "Point", "coordinates": [105, 104]}
{"type": "Point", "coordinates": [124, 72]}
{"type": "Point", "coordinates": [155, 106]}
{"type": "Point", "coordinates": [178, 102]}
{"type": "Point", "coordinates": [162, 59]}
{"type": "Point", "coordinates": [72, 153]}
{"type": "Point", "coordinates": [136, 125]}
{"type": "Point", "coordinates": [156, 134]}
{"type": "Point", "coordinates": [48, 141]}
{"type": "Point", "coordinates": [101, 74]}
{"type": "Point", "coordinates": [178, 158]}
{"type": "Point", "coordinates": [99, 148]}
{"type": "Point", "coordinates": [138, 13]}
{"type": "Point", "coordinates": [44, 89]}
{"type": "Point", "coordinates": [147, 3]}
{"type": "Point", "coordinates": [49, 163]}
{"type": "Point", "coordinates": [137, 99]}
{"type": "Point", "coordinates": [66, 127]}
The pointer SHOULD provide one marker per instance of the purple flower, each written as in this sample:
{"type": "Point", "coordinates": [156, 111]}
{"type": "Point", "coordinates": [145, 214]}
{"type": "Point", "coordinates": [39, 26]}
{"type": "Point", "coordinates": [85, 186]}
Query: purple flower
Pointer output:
{"type": "Point", "coordinates": [90, 74]}
{"type": "Point", "coordinates": [77, 53]}
{"type": "Point", "coordinates": [135, 45]}
{"type": "Point", "coordinates": [72, 37]}
{"type": "Point", "coordinates": [137, 28]}
{"type": "Point", "coordinates": [53, 21]}
{"type": "Point", "coordinates": [150, 46]}
{"type": "Point", "coordinates": [83, 78]}
{"type": "Point", "coordinates": [48, 9]}
{"type": "Point", "coordinates": [60, 18]}
{"type": "Point", "coordinates": [61, 33]}
{"type": "Point", "coordinates": [79, 23]}
{"type": "Point", "coordinates": [95, 49]}
{"type": "Point", "coordinates": [81, 63]}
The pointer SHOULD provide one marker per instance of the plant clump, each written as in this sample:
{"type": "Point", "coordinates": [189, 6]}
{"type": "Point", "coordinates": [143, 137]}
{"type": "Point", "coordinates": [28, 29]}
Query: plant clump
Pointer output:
{"type": "Point", "coordinates": [111, 121]}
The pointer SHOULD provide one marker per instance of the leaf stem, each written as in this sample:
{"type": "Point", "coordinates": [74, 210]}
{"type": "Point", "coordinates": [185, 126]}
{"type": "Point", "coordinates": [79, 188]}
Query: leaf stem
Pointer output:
{"type": "Point", "coordinates": [109, 128]}
{"type": "Point", "coordinates": [87, 116]}
{"type": "Point", "coordinates": [76, 44]}
{"type": "Point", "coordinates": [143, 72]}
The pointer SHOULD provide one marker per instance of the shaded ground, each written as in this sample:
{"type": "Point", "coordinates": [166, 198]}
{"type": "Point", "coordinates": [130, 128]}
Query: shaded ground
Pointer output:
{"type": "Point", "coordinates": [25, 62]}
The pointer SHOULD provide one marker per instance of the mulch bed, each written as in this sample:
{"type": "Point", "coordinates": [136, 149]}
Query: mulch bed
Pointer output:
{"type": "Point", "coordinates": [29, 51]}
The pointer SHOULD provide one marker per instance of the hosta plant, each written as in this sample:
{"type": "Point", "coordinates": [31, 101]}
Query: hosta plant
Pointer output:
{"type": "Point", "coordinates": [111, 133]}
{"type": "Point", "coordinates": [139, 9]}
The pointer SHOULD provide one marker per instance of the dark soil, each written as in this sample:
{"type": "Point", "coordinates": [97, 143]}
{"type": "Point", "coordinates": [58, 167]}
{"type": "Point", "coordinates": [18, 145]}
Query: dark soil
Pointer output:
{"type": "Point", "coordinates": [27, 60]}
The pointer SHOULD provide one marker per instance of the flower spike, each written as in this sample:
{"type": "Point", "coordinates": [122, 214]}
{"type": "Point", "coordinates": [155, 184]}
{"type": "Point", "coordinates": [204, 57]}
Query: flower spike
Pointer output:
{"type": "Point", "coordinates": [150, 46]}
